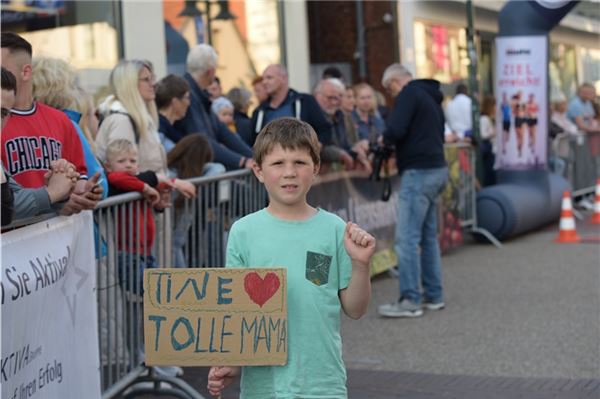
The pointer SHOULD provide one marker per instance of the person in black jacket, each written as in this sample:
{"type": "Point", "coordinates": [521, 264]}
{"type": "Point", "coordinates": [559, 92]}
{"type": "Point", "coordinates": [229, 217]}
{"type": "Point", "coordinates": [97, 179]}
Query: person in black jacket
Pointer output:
{"type": "Point", "coordinates": [283, 101]}
{"type": "Point", "coordinates": [228, 148]}
{"type": "Point", "coordinates": [416, 129]}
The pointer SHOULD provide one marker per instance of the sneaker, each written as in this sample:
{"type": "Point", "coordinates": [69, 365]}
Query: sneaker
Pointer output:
{"type": "Point", "coordinates": [402, 308]}
{"type": "Point", "coordinates": [434, 305]}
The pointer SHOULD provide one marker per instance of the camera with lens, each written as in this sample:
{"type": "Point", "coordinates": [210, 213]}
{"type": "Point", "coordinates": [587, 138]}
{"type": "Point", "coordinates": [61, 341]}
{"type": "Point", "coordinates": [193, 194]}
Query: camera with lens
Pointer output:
{"type": "Point", "coordinates": [381, 154]}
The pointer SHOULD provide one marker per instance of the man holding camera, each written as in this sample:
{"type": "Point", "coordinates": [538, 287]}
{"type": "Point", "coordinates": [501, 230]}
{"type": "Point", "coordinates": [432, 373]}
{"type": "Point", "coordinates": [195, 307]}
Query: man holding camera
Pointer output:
{"type": "Point", "coordinates": [416, 128]}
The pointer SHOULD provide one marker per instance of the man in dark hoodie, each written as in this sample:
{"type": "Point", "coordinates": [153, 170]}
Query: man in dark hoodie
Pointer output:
{"type": "Point", "coordinates": [416, 128]}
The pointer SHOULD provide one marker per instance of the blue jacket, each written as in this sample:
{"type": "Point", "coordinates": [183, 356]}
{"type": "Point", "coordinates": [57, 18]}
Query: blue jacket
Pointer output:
{"type": "Point", "coordinates": [304, 107]}
{"type": "Point", "coordinates": [228, 148]}
{"type": "Point", "coordinates": [416, 126]}
{"type": "Point", "coordinates": [243, 125]}
{"type": "Point", "coordinates": [92, 163]}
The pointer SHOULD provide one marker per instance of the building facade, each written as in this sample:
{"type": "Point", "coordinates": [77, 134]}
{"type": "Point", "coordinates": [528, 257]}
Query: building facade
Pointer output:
{"type": "Point", "coordinates": [360, 38]}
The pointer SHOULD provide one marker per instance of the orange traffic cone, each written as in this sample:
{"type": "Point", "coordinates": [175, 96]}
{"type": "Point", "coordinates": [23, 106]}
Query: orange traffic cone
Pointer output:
{"type": "Point", "coordinates": [567, 233]}
{"type": "Point", "coordinates": [596, 216]}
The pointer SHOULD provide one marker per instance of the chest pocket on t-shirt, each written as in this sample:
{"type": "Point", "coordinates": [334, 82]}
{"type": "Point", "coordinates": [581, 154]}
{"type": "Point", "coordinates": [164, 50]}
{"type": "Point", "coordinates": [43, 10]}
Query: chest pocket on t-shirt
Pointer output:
{"type": "Point", "coordinates": [317, 267]}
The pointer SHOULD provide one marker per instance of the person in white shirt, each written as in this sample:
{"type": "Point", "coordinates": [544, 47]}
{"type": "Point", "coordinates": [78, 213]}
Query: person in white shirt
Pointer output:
{"type": "Point", "coordinates": [560, 117]}
{"type": "Point", "coordinates": [458, 113]}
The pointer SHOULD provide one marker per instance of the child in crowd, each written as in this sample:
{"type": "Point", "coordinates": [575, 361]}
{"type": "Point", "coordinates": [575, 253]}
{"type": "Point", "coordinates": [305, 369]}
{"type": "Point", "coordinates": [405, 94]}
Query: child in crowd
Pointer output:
{"type": "Point", "coordinates": [223, 108]}
{"type": "Point", "coordinates": [123, 176]}
{"type": "Point", "coordinates": [327, 262]}
{"type": "Point", "coordinates": [191, 157]}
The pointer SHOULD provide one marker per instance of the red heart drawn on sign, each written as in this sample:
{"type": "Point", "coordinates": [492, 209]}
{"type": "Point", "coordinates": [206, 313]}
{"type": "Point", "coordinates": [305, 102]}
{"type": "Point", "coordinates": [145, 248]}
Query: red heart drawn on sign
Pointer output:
{"type": "Point", "coordinates": [261, 290]}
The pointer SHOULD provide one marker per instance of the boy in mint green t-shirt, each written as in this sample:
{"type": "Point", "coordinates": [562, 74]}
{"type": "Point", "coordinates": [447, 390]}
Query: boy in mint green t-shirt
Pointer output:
{"type": "Point", "coordinates": [327, 262]}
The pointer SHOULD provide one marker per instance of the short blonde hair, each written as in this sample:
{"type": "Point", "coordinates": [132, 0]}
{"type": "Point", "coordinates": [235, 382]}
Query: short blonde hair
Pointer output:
{"type": "Point", "coordinates": [290, 134]}
{"type": "Point", "coordinates": [83, 102]}
{"type": "Point", "coordinates": [118, 147]}
{"type": "Point", "coordinates": [54, 82]}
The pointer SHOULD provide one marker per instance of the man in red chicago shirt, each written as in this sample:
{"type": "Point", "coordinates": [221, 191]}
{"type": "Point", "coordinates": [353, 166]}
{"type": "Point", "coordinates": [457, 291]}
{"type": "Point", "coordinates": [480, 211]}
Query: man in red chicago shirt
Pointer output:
{"type": "Point", "coordinates": [37, 134]}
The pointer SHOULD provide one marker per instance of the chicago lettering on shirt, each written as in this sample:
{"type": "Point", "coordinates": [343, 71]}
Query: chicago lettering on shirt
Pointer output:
{"type": "Point", "coordinates": [27, 153]}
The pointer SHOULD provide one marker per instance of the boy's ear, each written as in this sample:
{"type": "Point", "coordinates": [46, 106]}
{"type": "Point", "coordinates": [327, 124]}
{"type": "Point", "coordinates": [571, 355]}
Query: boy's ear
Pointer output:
{"type": "Point", "coordinates": [317, 168]}
{"type": "Point", "coordinates": [257, 171]}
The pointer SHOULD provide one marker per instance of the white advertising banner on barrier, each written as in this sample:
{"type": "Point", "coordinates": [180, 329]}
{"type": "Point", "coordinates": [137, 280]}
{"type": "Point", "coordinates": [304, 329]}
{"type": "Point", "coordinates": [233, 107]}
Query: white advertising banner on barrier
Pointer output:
{"type": "Point", "coordinates": [521, 102]}
{"type": "Point", "coordinates": [49, 315]}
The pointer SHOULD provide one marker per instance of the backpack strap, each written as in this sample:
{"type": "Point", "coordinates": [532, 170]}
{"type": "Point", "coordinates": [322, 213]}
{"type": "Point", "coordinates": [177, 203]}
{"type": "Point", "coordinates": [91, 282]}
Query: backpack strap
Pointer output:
{"type": "Point", "coordinates": [298, 109]}
{"type": "Point", "coordinates": [259, 121]}
{"type": "Point", "coordinates": [135, 130]}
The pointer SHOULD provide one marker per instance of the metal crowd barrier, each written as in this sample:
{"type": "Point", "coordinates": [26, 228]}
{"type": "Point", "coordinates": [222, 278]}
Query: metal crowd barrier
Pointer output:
{"type": "Point", "coordinates": [461, 168]}
{"type": "Point", "coordinates": [461, 190]}
{"type": "Point", "coordinates": [581, 153]}
{"type": "Point", "coordinates": [191, 233]}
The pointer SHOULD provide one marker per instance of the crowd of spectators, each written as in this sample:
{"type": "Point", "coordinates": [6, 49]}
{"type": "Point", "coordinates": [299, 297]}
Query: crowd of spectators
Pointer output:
{"type": "Point", "coordinates": [62, 154]}
{"type": "Point", "coordinates": [53, 118]}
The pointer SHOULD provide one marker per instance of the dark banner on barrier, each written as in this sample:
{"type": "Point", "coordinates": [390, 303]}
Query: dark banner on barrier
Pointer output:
{"type": "Point", "coordinates": [353, 196]}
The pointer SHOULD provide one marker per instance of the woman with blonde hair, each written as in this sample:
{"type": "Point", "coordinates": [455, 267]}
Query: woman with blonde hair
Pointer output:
{"type": "Point", "coordinates": [55, 84]}
{"type": "Point", "coordinates": [368, 122]}
{"type": "Point", "coordinates": [83, 102]}
{"type": "Point", "coordinates": [130, 113]}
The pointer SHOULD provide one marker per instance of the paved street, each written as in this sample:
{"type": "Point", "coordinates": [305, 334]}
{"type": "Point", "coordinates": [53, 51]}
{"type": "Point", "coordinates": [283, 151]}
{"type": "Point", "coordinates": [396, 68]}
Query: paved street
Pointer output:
{"type": "Point", "coordinates": [521, 322]}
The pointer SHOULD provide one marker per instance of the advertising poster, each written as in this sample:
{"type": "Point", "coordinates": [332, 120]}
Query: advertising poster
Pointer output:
{"type": "Point", "coordinates": [521, 102]}
{"type": "Point", "coordinates": [48, 311]}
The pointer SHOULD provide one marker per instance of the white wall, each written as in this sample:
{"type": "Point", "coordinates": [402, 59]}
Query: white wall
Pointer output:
{"type": "Point", "coordinates": [296, 43]}
{"type": "Point", "coordinates": [144, 33]}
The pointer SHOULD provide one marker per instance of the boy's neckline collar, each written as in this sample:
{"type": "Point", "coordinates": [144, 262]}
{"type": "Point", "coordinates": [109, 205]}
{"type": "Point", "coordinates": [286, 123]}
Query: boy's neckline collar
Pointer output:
{"type": "Point", "coordinates": [293, 221]}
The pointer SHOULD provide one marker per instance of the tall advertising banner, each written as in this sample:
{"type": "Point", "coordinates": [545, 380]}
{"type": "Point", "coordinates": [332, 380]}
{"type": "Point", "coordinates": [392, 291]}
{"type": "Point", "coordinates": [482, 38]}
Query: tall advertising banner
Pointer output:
{"type": "Point", "coordinates": [48, 311]}
{"type": "Point", "coordinates": [521, 102]}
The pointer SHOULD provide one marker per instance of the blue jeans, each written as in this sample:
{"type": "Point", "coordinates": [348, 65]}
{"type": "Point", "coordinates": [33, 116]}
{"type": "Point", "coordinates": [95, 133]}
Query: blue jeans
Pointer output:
{"type": "Point", "coordinates": [131, 270]}
{"type": "Point", "coordinates": [416, 242]}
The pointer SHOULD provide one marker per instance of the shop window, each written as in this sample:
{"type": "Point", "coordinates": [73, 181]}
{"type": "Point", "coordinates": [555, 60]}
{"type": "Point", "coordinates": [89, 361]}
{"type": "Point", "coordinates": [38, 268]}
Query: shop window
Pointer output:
{"type": "Point", "coordinates": [590, 66]}
{"type": "Point", "coordinates": [85, 34]}
{"type": "Point", "coordinates": [440, 52]}
{"type": "Point", "coordinates": [562, 70]}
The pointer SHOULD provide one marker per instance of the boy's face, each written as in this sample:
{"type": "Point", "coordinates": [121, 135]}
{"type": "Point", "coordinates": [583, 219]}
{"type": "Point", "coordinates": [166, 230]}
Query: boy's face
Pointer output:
{"type": "Point", "coordinates": [287, 176]}
{"type": "Point", "coordinates": [226, 115]}
{"type": "Point", "coordinates": [124, 162]}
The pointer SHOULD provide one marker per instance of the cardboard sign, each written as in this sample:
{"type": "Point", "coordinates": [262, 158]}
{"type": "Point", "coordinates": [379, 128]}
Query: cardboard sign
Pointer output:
{"type": "Point", "coordinates": [208, 317]}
